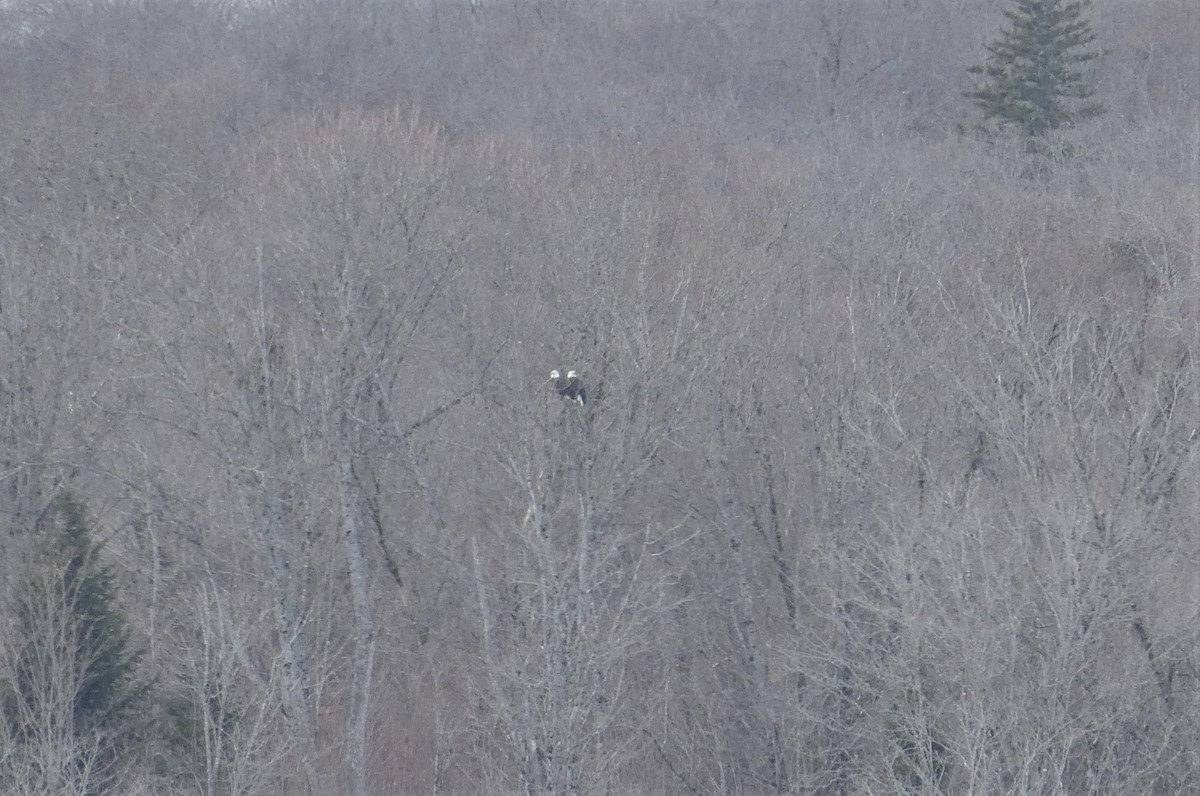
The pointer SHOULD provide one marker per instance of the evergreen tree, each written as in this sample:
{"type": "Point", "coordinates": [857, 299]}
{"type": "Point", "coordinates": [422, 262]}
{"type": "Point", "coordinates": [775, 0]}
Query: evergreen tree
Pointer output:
{"type": "Point", "coordinates": [75, 675]}
{"type": "Point", "coordinates": [1032, 76]}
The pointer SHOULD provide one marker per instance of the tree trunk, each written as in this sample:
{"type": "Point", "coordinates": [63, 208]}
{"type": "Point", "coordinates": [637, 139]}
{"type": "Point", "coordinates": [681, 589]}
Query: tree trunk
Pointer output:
{"type": "Point", "coordinates": [364, 623]}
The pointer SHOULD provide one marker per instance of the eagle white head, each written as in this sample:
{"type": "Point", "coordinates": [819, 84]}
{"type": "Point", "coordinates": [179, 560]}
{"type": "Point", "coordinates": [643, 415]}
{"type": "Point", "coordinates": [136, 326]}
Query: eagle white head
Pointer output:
{"type": "Point", "coordinates": [570, 388]}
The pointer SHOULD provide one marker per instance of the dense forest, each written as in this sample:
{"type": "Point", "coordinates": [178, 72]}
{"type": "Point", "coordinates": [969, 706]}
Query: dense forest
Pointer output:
{"type": "Point", "coordinates": [887, 478]}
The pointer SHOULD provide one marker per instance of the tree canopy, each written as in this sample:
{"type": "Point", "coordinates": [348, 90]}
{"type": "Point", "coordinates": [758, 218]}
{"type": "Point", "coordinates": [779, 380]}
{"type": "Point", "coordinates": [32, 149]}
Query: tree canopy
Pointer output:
{"type": "Point", "coordinates": [1032, 76]}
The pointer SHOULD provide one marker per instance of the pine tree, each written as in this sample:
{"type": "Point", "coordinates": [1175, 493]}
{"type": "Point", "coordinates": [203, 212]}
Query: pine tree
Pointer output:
{"type": "Point", "coordinates": [74, 679]}
{"type": "Point", "coordinates": [108, 662]}
{"type": "Point", "coordinates": [1032, 76]}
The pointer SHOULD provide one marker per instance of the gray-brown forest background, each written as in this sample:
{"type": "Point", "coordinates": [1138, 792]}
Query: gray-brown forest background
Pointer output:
{"type": "Point", "coordinates": [888, 483]}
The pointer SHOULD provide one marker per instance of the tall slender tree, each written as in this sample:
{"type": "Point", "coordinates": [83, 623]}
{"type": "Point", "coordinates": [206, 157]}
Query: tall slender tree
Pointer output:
{"type": "Point", "coordinates": [1033, 81]}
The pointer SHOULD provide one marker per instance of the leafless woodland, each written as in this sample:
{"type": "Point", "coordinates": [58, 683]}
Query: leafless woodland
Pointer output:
{"type": "Point", "coordinates": [887, 483]}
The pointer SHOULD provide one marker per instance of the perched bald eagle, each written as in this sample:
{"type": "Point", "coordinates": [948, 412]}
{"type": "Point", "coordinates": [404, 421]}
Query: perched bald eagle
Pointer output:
{"type": "Point", "coordinates": [570, 388]}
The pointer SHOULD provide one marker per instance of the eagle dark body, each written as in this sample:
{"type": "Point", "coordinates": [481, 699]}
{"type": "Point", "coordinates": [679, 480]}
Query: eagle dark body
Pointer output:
{"type": "Point", "coordinates": [569, 387]}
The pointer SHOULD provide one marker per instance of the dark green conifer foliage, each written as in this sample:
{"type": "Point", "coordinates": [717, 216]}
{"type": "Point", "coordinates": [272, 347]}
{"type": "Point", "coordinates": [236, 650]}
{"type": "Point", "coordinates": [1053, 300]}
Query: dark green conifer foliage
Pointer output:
{"type": "Point", "coordinates": [68, 617]}
{"type": "Point", "coordinates": [1032, 77]}
{"type": "Point", "coordinates": [106, 658]}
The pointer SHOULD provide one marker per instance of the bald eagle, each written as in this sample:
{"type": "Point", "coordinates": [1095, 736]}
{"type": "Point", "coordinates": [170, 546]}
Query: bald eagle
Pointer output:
{"type": "Point", "coordinates": [570, 388]}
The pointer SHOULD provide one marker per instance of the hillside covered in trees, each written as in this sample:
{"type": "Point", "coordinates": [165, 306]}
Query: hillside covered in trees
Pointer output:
{"type": "Point", "coordinates": [886, 482]}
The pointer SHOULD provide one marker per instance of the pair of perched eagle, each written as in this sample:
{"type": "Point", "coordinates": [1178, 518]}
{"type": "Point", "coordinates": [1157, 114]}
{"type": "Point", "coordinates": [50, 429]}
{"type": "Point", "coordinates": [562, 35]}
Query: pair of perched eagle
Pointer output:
{"type": "Point", "coordinates": [570, 388]}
